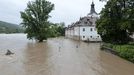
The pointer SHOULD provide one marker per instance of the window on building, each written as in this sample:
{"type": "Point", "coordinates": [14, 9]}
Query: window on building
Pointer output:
{"type": "Point", "coordinates": [83, 29]}
{"type": "Point", "coordinates": [91, 29]}
{"type": "Point", "coordinates": [98, 36]}
{"type": "Point", "coordinates": [83, 36]}
{"type": "Point", "coordinates": [91, 37]}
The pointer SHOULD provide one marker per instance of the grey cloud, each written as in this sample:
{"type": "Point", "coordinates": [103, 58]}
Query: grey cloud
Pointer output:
{"type": "Point", "coordinates": [67, 11]}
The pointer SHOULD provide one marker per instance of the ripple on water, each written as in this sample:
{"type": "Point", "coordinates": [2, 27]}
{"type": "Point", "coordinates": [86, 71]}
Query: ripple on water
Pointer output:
{"type": "Point", "coordinates": [8, 59]}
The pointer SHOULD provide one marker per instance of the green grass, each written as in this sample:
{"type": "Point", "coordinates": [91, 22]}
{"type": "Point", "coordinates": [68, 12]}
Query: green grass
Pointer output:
{"type": "Point", "coordinates": [124, 51]}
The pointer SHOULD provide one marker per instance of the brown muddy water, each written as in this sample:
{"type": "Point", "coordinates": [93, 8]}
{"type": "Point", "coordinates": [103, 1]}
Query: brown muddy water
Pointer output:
{"type": "Point", "coordinates": [58, 56]}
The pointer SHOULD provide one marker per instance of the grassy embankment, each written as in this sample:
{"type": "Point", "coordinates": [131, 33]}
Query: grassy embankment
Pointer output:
{"type": "Point", "coordinates": [124, 51]}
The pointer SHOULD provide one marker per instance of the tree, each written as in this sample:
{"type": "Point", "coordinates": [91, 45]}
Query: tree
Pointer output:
{"type": "Point", "coordinates": [35, 19]}
{"type": "Point", "coordinates": [116, 21]}
{"type": "Point", "coordinates": [53, 30]}
{"type": "Point", "coordinates": [57, 29]}
{"type": "Point", "coordinates": [61, 28]}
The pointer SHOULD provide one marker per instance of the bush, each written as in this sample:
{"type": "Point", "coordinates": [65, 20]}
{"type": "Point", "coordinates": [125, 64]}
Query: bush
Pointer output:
{"type": "Point", "coordinates": [125, 51]}
{"type": "Point", "coordinates": [127, 54]}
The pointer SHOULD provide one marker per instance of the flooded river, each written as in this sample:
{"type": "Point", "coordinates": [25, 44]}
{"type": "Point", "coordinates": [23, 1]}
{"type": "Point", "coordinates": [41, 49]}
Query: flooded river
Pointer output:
{"type": "Point", "coordinates": [58, 56]}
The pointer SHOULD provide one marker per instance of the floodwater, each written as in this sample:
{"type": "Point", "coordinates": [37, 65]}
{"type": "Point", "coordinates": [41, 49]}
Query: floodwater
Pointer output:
{"type": "Point", "coordinates": [58, 56]}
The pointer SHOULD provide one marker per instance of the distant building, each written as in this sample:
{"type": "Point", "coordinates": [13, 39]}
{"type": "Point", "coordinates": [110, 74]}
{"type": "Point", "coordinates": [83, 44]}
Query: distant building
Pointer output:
{"type": "Point", "coordinates": [85, 28]}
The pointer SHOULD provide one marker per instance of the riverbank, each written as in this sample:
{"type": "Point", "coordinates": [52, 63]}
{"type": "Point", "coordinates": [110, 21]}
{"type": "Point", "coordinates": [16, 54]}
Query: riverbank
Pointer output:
{"type": "Point", "coordinates": [124, 51]}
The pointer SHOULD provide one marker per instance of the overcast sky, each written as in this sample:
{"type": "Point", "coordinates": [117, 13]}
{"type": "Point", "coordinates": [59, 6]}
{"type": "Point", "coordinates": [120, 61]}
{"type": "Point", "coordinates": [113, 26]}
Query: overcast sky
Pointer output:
{"type": "Point", "coordinates": [67, 11]}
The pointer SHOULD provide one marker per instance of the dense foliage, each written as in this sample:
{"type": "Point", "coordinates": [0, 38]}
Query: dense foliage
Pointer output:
{"type": "Point", "coordinates": [57, 29]}
{"type": "Point", "coordinates": [116, 22]}
{"type": "Point", "coordinates": [35, 19]}
{"type": "Point", "coordinates": [10, 28]}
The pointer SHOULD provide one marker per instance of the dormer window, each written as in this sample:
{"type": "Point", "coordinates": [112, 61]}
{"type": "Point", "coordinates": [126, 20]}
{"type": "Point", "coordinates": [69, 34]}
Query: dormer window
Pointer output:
{"type": "Point", "coordinates": [91, 17]}
{"type": "Point", "coordinates": [85, 22]}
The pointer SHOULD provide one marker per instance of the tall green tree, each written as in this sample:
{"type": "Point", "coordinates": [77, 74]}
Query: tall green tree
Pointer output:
{"type": "Point", "coordinates": [116, 21]}
{"type": "Point", "coordinates": [35, 19]}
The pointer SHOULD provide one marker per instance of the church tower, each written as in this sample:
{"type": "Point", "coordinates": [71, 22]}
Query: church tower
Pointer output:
{"type": "Point", "coordinates": [93, 13]}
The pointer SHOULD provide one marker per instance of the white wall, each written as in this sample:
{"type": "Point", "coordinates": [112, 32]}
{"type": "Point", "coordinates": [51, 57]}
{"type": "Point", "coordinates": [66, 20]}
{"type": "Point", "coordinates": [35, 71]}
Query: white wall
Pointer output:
{"type": "Point", "coordinates": [76, 31]}
{"type": "Point", "coordinates": [85, 35]}
{"type": "Point", "coordinates": [88, 34]}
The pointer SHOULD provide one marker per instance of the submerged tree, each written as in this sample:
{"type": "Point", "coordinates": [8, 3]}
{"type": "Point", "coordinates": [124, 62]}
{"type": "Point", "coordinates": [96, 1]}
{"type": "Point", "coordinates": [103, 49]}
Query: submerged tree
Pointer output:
{"type": "Point", "coordinates": [57, 29]}
{"type": "Point", "coordinates": [61, 28]}
{"type": "Point", "coordinates": [116, 22]}
{"type": "Point", "coordinates": [35, 19]}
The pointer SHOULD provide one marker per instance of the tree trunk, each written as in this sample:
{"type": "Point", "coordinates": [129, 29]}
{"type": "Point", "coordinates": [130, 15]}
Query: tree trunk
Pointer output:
{"type": "Point", "coordinates": [41, 40]}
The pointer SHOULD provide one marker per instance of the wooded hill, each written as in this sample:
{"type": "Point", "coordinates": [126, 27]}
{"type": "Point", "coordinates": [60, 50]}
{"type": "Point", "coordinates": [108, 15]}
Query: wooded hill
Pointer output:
{"type": "Point", "coordinates": [6, 27]}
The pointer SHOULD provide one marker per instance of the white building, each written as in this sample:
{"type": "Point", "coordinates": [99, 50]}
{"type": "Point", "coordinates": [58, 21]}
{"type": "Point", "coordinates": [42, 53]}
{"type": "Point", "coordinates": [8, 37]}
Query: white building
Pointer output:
{"type": "Point", "coordinates": [85, 28]}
